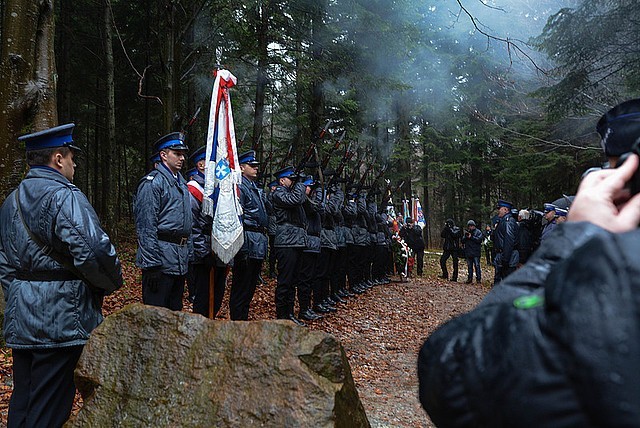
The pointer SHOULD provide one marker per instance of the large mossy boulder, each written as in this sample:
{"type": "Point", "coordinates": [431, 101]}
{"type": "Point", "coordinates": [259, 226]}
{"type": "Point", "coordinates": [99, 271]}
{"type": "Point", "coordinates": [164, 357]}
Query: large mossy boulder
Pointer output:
{"type": "Point", "coordinates": [147, 366]}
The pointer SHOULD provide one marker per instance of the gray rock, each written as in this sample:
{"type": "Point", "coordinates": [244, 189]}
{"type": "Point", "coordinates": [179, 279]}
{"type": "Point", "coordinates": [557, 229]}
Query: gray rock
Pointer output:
{"type": "Point", "coordinates": [147, 366]}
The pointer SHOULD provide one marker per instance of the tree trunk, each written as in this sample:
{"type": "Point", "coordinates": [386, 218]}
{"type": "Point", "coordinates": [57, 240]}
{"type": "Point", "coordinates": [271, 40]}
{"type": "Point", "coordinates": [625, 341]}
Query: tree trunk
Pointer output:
{"type": "Point", "coordinates": [27, 81]}
{"type": "Point", "coordinates": [169, 69]}
{"type": "Point", "coordinates": [403, 133]}
{"type": "Point", "coordinates": [63, 51]}
{"type": "Point", "coordinates": [263, 13]}
{"type": "Point", "coordinates": [109, 184]}
{"type": "Point", "coordinates": [317, 91]}
{"type": "Point", "coordinates": [300, 90]}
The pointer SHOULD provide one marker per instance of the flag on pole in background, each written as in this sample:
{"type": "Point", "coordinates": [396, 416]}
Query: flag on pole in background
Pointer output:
{"type": "Point", "coordinates": [420, 221]}
{"type": "Point", "coordinates": [413, 209]}
{"type": "Point", "coordinates": [222, 172]}
{"type": "Point", "coordinates": [406, 210]}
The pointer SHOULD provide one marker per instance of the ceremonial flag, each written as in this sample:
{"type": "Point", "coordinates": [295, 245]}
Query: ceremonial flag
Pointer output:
{"type": "Point", "coordinates": [420, 221]}
{"type": "Point", "coordinates": [222, 172]}
{"type": "Point", "coordinates": [406, 210]}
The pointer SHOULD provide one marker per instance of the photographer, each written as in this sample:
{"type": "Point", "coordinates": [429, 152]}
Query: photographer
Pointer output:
{"type": "Point", "coordinates": [472, 240]}
{"type": "Point", "coordinates": [412, 235]}
{"type": "Point", "coordinates": [450, 235]}
{"type": "Point", "coordinates": [566, 325]}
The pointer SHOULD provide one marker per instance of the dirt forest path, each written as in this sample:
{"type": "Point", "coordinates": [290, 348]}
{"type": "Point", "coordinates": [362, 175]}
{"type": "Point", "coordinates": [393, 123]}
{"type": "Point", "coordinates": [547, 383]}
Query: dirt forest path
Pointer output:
{"type": "Point", "coordinates": [381, 332]}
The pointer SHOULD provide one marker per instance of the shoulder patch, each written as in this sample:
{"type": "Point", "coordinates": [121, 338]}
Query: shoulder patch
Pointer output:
{"type": "Point", "coordinates": [149, 177]}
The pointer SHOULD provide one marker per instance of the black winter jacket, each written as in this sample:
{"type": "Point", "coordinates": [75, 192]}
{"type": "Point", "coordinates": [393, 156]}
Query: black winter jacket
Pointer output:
{"type": "Point", "coordinates": [555, 344]}
{"type": "Point", "coordinates": [451, 238]}
{"type": "Point", "coordinates": [505, 242]}
{"type": "Point", "coordinates": [472, 240]}
{"type": "Point", "coordinates": [290, 218]}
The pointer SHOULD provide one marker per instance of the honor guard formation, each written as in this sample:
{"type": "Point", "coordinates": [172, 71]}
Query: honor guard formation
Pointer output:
{"type": "Point", "coordinates": [327, 232]}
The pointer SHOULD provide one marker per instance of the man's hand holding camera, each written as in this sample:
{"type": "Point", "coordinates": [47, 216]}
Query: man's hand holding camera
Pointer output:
{"type": "Point", "coordinates": [604, 200]}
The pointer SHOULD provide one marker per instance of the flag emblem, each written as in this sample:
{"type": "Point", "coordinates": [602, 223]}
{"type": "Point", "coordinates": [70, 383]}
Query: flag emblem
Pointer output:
{"type": "Point", "coordinates": [222, 169]}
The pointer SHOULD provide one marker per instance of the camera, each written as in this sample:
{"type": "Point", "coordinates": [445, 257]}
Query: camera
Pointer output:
{"type": "Point", "coordinates": [634, 183]}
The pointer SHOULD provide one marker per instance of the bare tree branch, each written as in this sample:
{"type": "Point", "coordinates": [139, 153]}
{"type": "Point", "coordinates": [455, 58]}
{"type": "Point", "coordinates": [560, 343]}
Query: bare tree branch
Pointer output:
{"type": "Point", "coordinates": [511, 43]}
{"type": "Point", "coordinates": [124, 50]}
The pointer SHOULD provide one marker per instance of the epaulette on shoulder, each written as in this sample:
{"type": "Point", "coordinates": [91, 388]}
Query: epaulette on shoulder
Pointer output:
{"type": "Point", "coordinates": [148, 177]}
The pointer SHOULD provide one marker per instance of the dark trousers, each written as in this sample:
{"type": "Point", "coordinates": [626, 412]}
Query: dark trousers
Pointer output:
{"type": "Point", "coordinates": [326, 266]}
{"type": "Point", "coordinates": [191, 282]}
{"type": "Point", "coordinates": [419, 253]}
{"type": "Point", "coordinates": [167, 294]}
{"type": "Point", "coordinates": [368, 253]}
{"type": "Point", "coordinates": [43, 386]}
{"type": "Point", "coordinates": [288, 277]}
{"type": "Point", "coordinates": [272, 256]}
{"type": "Point", "coordinates": [443, 263]}
{"type": "Point", "coordinates": [502, 273]}
{"type": "Point", "coordinates": [308, 280]}
{"type": "Point", "coordinates": [388, 259]}
{"type": "Point", "coordinates": [243, 286]}
{"type": "Point", "coordinates": [474, 262]}
{"type": "Point", "coordinates": [359, 263]}
{"type": "Point", "coordinates": [353, 273]}
{"type": "Point", "coordinates": [201, 278]}
{"type": "Point", "coordinates": [378, 267]}
{"type": "Point", "coordinates": [339, 273]}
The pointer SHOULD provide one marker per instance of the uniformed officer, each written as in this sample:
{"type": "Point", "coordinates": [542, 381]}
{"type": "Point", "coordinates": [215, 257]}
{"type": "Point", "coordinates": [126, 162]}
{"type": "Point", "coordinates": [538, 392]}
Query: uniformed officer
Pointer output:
{"type": "Point", "coordinates": [329, 246]}
{"type": "Point", "coordinates": [201, 223]}
{"type": "Point", "coordinates": [203, 261]}
{"type": "Point", "coordinates": [291, 238]}
{"type": "Point", "coordinates": [164, 222]}
{"type": "Point", "coordinates": [309, 273]}
{"type": "Point", "coordinates": [271, 228]}
{"type": "Point", "coordinates": [505, 240]}
{"type": "Point", "coordinates": [155, 160]}
{"type": "Point", "coordinates": [343, 236]}
{"type": "Point", "coordinates": [56, 264]}
{"type": "Point", "coordinates": [349, 215]}
{"type": "Point", "coordinates": [361, 242]}
{"type": "Point", "coordinates": [248, 261]}
{"type": "Point", "coordinates": [550, 218]}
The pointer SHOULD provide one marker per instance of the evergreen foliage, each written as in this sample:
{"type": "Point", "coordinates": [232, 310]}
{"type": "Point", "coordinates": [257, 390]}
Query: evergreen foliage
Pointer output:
{"type": "Point", "coordinates": [416, 87]}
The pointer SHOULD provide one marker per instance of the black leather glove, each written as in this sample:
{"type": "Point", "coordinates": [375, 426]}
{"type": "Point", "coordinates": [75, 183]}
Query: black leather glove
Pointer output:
{"type": "Point", "coordinates": [152, 278]}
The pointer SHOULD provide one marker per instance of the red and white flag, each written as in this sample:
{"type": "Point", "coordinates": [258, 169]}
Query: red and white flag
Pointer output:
{"type": "Point", "coordinates": [222, 172]}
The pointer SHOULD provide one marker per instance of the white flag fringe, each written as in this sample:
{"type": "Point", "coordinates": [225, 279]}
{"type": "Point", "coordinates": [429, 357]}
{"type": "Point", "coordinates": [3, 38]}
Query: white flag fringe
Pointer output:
{"type": "Point", "coordinates": [222, 172]}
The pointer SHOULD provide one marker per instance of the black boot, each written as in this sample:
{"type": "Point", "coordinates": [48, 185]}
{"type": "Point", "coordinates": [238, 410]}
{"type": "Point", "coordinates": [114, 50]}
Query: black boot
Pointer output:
{"type": "Point", "coordinates": [320, 308]}
{"type": "Point", "coordinates": [348, 293]}
{"type": "Point", "coordinates": [337, 298]}
{"type": "Point", "coordinates": [342, 293]}
{"type": "Point", "coordinates": [309, 315]}
{"type": "Point", "coordinates": [327, 304]}
{"type": "Point", "coordinates": [296, 320]}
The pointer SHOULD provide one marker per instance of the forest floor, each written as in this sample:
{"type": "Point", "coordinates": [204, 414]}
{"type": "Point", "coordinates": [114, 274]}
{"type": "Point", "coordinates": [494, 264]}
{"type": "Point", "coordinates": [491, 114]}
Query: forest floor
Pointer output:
{"type": "Point", "coordinates": [381, 332]}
